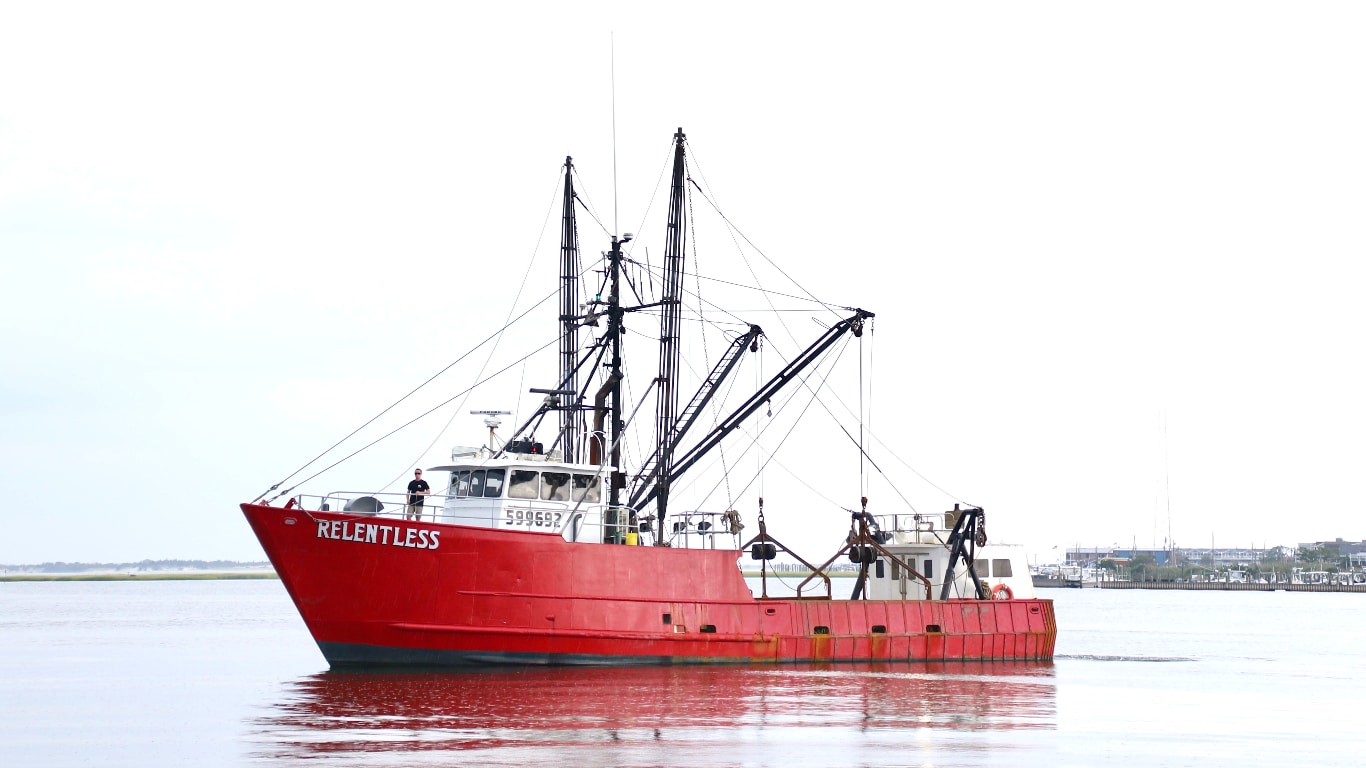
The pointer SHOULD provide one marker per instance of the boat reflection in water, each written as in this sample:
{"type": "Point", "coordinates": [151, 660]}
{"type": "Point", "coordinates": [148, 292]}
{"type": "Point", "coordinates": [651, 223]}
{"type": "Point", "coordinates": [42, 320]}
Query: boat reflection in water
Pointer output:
{"type": "Point", "coordinates": [798, 715]}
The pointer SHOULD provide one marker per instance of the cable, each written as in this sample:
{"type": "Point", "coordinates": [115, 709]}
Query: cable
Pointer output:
{"type": "Point", "coordinates": [515, 299]}
{"type": "Point", "coordinates": [434, 376]}
{"type": "Point", "coordinates": [414, 420]}
{"type": "Point", "coordinates": [756, 248]}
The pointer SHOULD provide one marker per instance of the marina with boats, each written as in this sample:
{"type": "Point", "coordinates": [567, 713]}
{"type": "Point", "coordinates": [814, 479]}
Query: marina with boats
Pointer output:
{"type": "Point", "coordinates": [1294, 580]}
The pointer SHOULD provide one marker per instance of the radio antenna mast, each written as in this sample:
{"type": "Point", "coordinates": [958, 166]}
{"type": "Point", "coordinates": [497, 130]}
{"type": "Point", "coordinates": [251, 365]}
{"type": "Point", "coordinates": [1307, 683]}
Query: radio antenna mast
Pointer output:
{"type": "Point", "coordinates": [613, 40]}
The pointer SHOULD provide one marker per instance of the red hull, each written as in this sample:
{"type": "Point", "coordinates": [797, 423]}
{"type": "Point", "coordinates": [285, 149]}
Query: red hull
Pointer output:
{"type": "Point", "coordinates": [383, 591]}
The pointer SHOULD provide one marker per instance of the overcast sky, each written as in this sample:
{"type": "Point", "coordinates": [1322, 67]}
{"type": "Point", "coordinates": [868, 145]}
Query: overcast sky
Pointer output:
{"type": "Point", "coordinates": [231, 233]}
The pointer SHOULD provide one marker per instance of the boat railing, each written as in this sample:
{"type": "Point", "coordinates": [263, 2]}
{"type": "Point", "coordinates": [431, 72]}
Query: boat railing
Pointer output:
{"type": "Point", "coordinates": [576, 521]}
{"type": "Point", "coordinates": [600, 523]}
{"type": "Point", "coordinates": [700, 530]}
{"type": "Point", "coordinates": [915, 528]}
{"type": "Point", "coordinates": [386, 505]}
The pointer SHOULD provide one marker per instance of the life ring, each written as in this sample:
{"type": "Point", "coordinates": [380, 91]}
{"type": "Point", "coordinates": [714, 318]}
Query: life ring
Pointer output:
{"type": "Point", "coordinates": [1002, 592]}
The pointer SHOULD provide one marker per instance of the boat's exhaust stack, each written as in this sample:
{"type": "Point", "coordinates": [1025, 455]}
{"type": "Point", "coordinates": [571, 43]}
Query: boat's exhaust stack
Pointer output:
{"type": "Point", "coordinates": [595, 443]}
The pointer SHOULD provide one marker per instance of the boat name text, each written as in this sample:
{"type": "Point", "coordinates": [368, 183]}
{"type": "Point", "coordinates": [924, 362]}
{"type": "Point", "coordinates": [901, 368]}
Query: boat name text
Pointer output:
{"type": "Point", "coordinates": [373, 533]}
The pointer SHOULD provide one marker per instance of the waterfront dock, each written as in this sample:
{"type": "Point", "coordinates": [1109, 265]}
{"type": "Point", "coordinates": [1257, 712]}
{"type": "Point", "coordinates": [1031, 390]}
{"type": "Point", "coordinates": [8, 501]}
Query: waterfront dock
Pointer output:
{"type": "Point", "coordinates": [1225, 586]}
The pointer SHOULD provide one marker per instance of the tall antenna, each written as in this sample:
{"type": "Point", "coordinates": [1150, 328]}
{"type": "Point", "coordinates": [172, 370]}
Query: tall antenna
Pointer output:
{"type": "Point", "coordinates": [615, 230]}
{"type": "Point", "coordinates": [1167, 476]}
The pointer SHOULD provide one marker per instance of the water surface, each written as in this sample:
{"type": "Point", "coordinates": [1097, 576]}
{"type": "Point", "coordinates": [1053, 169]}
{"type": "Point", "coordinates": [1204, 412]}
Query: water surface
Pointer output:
{"type": "Point", "coordinates": [215, 673]}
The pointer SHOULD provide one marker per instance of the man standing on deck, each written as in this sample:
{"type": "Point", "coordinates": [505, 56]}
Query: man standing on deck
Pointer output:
{"type": "Point", "coordinates": [416, 490]}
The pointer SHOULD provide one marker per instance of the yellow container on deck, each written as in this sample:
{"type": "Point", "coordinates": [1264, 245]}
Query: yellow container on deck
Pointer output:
{"type": "Point", "coordinates": [632, 538]}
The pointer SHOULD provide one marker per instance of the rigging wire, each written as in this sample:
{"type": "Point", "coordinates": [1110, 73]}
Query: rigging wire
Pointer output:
{"type": "Point", "coordinates": [767, 292]}
{"type": "Point", "coordinates": [668, 162]}
{"type": "Point", "coordinates": [699, 312]}
{"type": "Point", "coordinates": [743, 236]}
{"type": "Point", "coordinates": [866, 432]}
{"type": "Point", "coordinates": [733, 232]}
{"type": "Point", "coordinates": [889, 451]}
{"type": "Point", "coordinates": [761, 426]}
{"type": "Point", "coordinates": [517, 409]}
{"type": "Point", "coordinates": [917, 472]}
{"type": "Point", "coordinates": [495, 337]}
{"type": "Point", "coordinates": [721, 310]}
{"type": "Point", "coordinates": [756, 440]}
{"type": "Point", "coordinates": [743, 256]}
{"type": "Point", "coordinates": [628, 458]}
{"type": "Point", "coordinates": [784, 400]}
{"type": "Point", "coordinates": [626, 275]}
{"type": "Point", "coordinates": [586, 200]}
{"type": "Point", "coordinates": [496, 334]}
{"type": "Point", "coordinates": [714, 308]}
{"type": "Point", "coordinates": [872, 346]}
{"type": "Point", "coordinates": [862, 472]}
{"type": "Point", "coordinates": [782, 406]}
{"type": "Point", "coordinates": [590, 213]}
{"type": "Point", "coordinates": [419, 417]}
{"type": "Point", "coordinates": [864, 454]}
{"type": "Point", "coordinates": [648, 283]}
{"type": "Point", "coordinates": [706, 354]}
{"type": "Point", "coordinates": [516, 298]}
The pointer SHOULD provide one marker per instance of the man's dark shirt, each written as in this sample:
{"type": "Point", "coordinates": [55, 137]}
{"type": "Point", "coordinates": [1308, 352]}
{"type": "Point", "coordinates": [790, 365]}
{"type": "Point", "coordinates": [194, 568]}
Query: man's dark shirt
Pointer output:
{"type": "Point", "coordinates": [413, 488]}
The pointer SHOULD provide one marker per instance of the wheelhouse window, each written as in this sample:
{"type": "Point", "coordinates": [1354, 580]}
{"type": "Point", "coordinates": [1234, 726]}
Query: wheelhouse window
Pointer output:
{"type": "Point", "coordinates": [555, 486]}
{"type": "Point", "coordinates": [983, 568]}
{"type": "Point", "coordinates": [587, 488]}
{"type": "Point", "coordinates": [524, 484]}
{"type": "Point", "coordinates": [461, 482]}
{"type": "Point", "coordinates": [1001, 567]}
{"type": "Point", "coordinates": [493, 483]}
{"type": "Point", "coordinates": [477, 482]}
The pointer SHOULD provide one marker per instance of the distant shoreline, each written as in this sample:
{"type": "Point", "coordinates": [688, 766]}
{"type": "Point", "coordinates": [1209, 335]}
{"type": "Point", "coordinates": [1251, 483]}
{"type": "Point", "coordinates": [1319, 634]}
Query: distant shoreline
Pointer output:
{"type": "Point", "coordinates": [192, 576]}
{"type": "Point", "coordinates": [137, 576]}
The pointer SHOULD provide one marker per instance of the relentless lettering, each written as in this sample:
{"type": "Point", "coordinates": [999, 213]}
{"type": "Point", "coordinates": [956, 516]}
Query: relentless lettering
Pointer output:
{"type": "Point", "coordinates": [370, 533]}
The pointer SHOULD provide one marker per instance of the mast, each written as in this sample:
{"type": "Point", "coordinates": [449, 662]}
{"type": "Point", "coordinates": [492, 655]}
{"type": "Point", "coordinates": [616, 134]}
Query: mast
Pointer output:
{"type": "Point", "coordinates": [571, 417]}
{"type": "Point", "coordinates": [669, 317]}
{"type": "Point", "coordinates": [615, 408]}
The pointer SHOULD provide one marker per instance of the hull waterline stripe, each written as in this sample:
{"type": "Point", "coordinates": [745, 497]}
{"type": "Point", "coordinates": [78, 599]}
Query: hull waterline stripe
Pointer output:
{"type": "Point", "coordinates": [465, 629]}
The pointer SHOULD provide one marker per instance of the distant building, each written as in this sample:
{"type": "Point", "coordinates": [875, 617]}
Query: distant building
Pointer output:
{"type": "Point", "coordinates": [1343, 548]}
{"type": "Point", "coordinates": [1285, 554]}
{"type": "Point", "coordinates": [1227, 557]}
{"type": "Point", "coordinates": [1353, 552]}
{"type": "Point", "coordinates": [1088, 555]}
{"type": "Point", "coordinates": [1091, 556]}
{"type": "Point", "coordinates": [1207, 557]}
{"type": "Point", "coordinates": [1159, 556]}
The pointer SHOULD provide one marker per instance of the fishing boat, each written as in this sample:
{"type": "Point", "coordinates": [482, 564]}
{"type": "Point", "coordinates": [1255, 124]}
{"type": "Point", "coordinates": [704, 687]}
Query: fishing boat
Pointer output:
{"type": "Point", "coordinates": [549, 547]}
